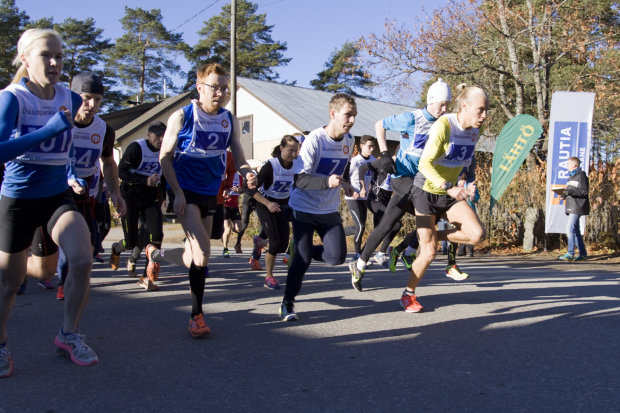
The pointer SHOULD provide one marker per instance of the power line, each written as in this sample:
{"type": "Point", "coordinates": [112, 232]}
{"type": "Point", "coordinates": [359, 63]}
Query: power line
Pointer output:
{"type": "Point", "coordinates": [195, 15]}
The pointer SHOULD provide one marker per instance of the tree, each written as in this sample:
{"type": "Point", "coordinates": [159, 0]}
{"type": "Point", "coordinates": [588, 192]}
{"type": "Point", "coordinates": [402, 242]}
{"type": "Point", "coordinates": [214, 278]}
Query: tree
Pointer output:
{"type": "Point", "coordinates": [343, 72]}
{"type": "Point", "coordinates": [143, 57]}
{"type": "Point", "coordinates": [83, 47]}
{"type": "Point", "coordinates": [518, 50]}
{"type": "Point", "coordinates": [257, 52]}
{"type": "Point", "coordinates": [12, 22]}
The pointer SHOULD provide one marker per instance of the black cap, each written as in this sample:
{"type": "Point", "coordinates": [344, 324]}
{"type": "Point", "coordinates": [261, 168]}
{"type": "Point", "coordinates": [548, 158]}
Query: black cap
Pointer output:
{"type": "Point", "coordinates": [87, 82]}
{"type": "Point", "coordinates": [157, 127]}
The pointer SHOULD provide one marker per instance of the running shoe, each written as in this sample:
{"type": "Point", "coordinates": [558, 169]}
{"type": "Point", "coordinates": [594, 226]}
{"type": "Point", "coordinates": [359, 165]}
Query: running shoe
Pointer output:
{"type": "Point", "coordinates": [238, 249]}
{"type": "Point", "coordinates": [380, 258]}
{"type": "Point", "coordinates": [285, 259]}
{"type": "Point", "coordinates": [454, 272]}
{"type": "Point", "coordinates": [22, 288]}
{"type": "Point", "coordinates": [409, 302]}
{"type": "Point", "coordinates": [60, 293]}
{"type": "Point", "coordinates": [225, 253]}
{"type": "Point", "coordinates": [255, 264]}
{"type": "Point", "coordinates": [272, 283]}
{"type": "Point", "coordinates": [393, 258]}
{"type": "Point", "coordinates": [97, 258]}
{"type": "Point", "coordinates": [147, 284]}
{"type": "Point", "coordinates": [46, 285]}
{"type": "Point", "coordinates": [408, 260]}
{"type": "Point", "coordinates": [287, 311]}
{"type": "Point", "coordinates": [152, 268]}
{"type": "Point", "coordinates": [131, 269]}
{"type": "Point", "coordinates": [356, 276]}
{"type": "Point", "coordinates": [566, 257]}
{"type": "Point", "coordinates": [115, 258]}
{"type": "Point", "coordinates": [258, 249]}
{"type": "Point", "coordinates": [73, 345]}
{"type": "Point", "coordinates": [580, 258]}
{"type": "Point", "coordinates": [6, 362]}
{"type": "Point", "coordinates": [197, 326]}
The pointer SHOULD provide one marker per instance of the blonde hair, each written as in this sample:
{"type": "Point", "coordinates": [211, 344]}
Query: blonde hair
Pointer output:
{"type": "Point", "coordinates": [466, 92]}
{"type": "Point", "coordinates": [23, 47]}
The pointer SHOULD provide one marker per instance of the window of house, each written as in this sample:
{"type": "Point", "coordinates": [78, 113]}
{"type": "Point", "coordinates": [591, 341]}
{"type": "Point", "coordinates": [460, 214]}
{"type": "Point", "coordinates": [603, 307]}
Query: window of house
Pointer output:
{"type": "Point", "coordinates": [247, 135]}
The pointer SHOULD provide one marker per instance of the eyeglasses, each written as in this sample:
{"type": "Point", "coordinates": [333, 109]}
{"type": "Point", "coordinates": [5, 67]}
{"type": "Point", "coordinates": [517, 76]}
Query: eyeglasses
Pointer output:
{"type": "Point", "coordinates": [214, 89]}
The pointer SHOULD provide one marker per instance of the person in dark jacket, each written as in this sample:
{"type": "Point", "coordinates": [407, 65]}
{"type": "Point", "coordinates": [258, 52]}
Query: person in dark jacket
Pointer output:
{"type": "Point", "coordinates": [577, 203]}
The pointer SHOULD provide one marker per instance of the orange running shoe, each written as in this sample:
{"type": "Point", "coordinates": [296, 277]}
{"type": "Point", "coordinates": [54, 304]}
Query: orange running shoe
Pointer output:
{"type": "Point", "coordinates": [255, 264]}
{"type": "Point", "coordinates": [60, 293]}
{"type": "Point", "coordinates": [410, 302]}
{"type": "Point", "coordinates": [152, 268]}
{"type": "Point", "coordinates": [197, 326]}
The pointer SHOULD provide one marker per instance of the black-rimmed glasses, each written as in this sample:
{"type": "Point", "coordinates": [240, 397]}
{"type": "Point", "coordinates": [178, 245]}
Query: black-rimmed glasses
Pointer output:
{"type": "Point", "coordinates": [214, 88]}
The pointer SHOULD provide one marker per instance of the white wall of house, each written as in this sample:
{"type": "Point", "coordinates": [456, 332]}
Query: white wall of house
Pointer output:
{"type": "Point", "coordinates": [268, 126]}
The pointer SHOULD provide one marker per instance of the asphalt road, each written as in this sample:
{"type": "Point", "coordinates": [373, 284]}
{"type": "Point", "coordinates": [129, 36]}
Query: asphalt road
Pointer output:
{"type": "Point", "coordinates": [523, 333]}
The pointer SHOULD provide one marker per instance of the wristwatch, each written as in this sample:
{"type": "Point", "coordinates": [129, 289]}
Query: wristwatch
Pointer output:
{"type": "Point", "coordinates": [447, 185]}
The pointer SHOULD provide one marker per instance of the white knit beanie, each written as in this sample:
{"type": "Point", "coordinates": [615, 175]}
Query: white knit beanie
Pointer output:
{"type": "Point", "coordinates": [438, 92]}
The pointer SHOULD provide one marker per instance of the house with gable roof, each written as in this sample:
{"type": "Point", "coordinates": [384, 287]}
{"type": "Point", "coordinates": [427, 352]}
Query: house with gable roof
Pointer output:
{"type": "Point", "coordinates": [266, 112]}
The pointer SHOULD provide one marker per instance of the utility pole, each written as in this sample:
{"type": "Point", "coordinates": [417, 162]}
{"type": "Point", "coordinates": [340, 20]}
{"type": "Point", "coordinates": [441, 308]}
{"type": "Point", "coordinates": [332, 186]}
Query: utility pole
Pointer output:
{"type": "Point", "coordinates": [233, 57]}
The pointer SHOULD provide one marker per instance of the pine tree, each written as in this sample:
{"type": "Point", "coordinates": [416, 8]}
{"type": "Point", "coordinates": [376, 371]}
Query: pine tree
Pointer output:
{"type": "Point", "coordinates": [12, 22]}
{"type": "Point", "coordinates": [144, 57]}
{"type": "Point", "coordinates": [257, 53]}
{"type": "Point", "coordinates": [343, 73]}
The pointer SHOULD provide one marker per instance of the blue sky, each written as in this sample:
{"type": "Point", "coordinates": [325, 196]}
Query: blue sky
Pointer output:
{"type": "Point", "coordinates": [312, 29]}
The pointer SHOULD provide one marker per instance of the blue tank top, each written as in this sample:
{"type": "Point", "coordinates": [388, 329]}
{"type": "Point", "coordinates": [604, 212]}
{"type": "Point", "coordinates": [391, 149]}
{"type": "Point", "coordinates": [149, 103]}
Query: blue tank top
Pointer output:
{"type": "Point", "coordinates": [200, 157]}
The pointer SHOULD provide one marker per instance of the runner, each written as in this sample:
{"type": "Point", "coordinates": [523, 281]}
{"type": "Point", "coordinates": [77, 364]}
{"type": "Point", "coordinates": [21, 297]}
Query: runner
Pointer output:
{"type": "Point", "coordinates": [36, 117]}
{"type": "Point", "coordinates": [450, 148]}
{"type": "Point", "coordinates": [414, 127]}
{"type": "Point", "coordinates": [358, 203]}
{"type": "Point", "coordinates": [93, 139]}
{"type": "Point", "coordinates": [193, 159]}
{"type": "Point", "coordinates": [230, 192]}
{"type": "Point", "coordinates": [143, 193]}
{"type": "Point", "coordinates": [315, 197]}
{"type": "Point", "coordinates": [379, 195]}
{"type": "Point", "coordinates": [276, 177]}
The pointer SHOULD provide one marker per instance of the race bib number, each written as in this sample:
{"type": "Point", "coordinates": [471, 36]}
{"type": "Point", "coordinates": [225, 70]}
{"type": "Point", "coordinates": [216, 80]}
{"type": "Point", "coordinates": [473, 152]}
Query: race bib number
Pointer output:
{"type": "Point", "coordinates": [331, 166]}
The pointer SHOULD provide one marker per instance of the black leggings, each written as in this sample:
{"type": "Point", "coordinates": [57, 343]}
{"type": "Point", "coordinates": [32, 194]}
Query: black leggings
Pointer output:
{"type": "Point", "coordinates": [276, 225]}
{"type": "Point", "coordinates": [248, 204]}
{"type": "Point", "coordinates": [396, 209]}
{"type": "Point", "coordinates": [333, 251]}
{"type": "Point", "coordinates": [378, 211]}
{"type": "Point", "coordinates": [359, 213]}
{"type": "Point", "coordinates": [152, 217]}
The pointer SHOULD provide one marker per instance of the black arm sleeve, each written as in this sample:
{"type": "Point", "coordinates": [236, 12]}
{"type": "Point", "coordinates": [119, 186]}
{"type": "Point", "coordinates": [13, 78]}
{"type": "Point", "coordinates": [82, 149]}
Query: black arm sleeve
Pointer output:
{"type": "Point", "coordinates": [131, 160]}
{"type": "Point", "coordinates": [311, 183]}
{"type": "Point", "coordinates": [108, 142]}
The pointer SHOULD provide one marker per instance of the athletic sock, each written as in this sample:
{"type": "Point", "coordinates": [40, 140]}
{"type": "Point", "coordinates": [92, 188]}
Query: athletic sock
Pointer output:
{"type": "Point", "coordinates": [451, 254]}
{"type": "Point", "coordinates": [360, 264]}
{"type": "Point", "coordinates": [197, 287]}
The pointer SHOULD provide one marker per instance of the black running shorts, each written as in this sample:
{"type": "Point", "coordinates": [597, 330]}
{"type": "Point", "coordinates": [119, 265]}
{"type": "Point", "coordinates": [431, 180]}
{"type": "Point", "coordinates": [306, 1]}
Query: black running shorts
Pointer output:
{"type": "Point", "coordinates": [426, 203]}
{"type": "Point", "coordinates": [20, 217]}
{"type": "Point", "coordinates": [206, 203]}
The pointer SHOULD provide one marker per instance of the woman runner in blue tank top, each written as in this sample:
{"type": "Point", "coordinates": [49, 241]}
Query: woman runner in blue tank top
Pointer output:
{"type": "Point", "coordinates": [35, 141]}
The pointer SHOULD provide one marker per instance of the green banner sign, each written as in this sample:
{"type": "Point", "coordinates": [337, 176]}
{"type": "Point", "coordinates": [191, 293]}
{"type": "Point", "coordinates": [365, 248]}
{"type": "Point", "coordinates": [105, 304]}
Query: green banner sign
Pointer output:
{"type": "Point", "coordinates": [513, 144]}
